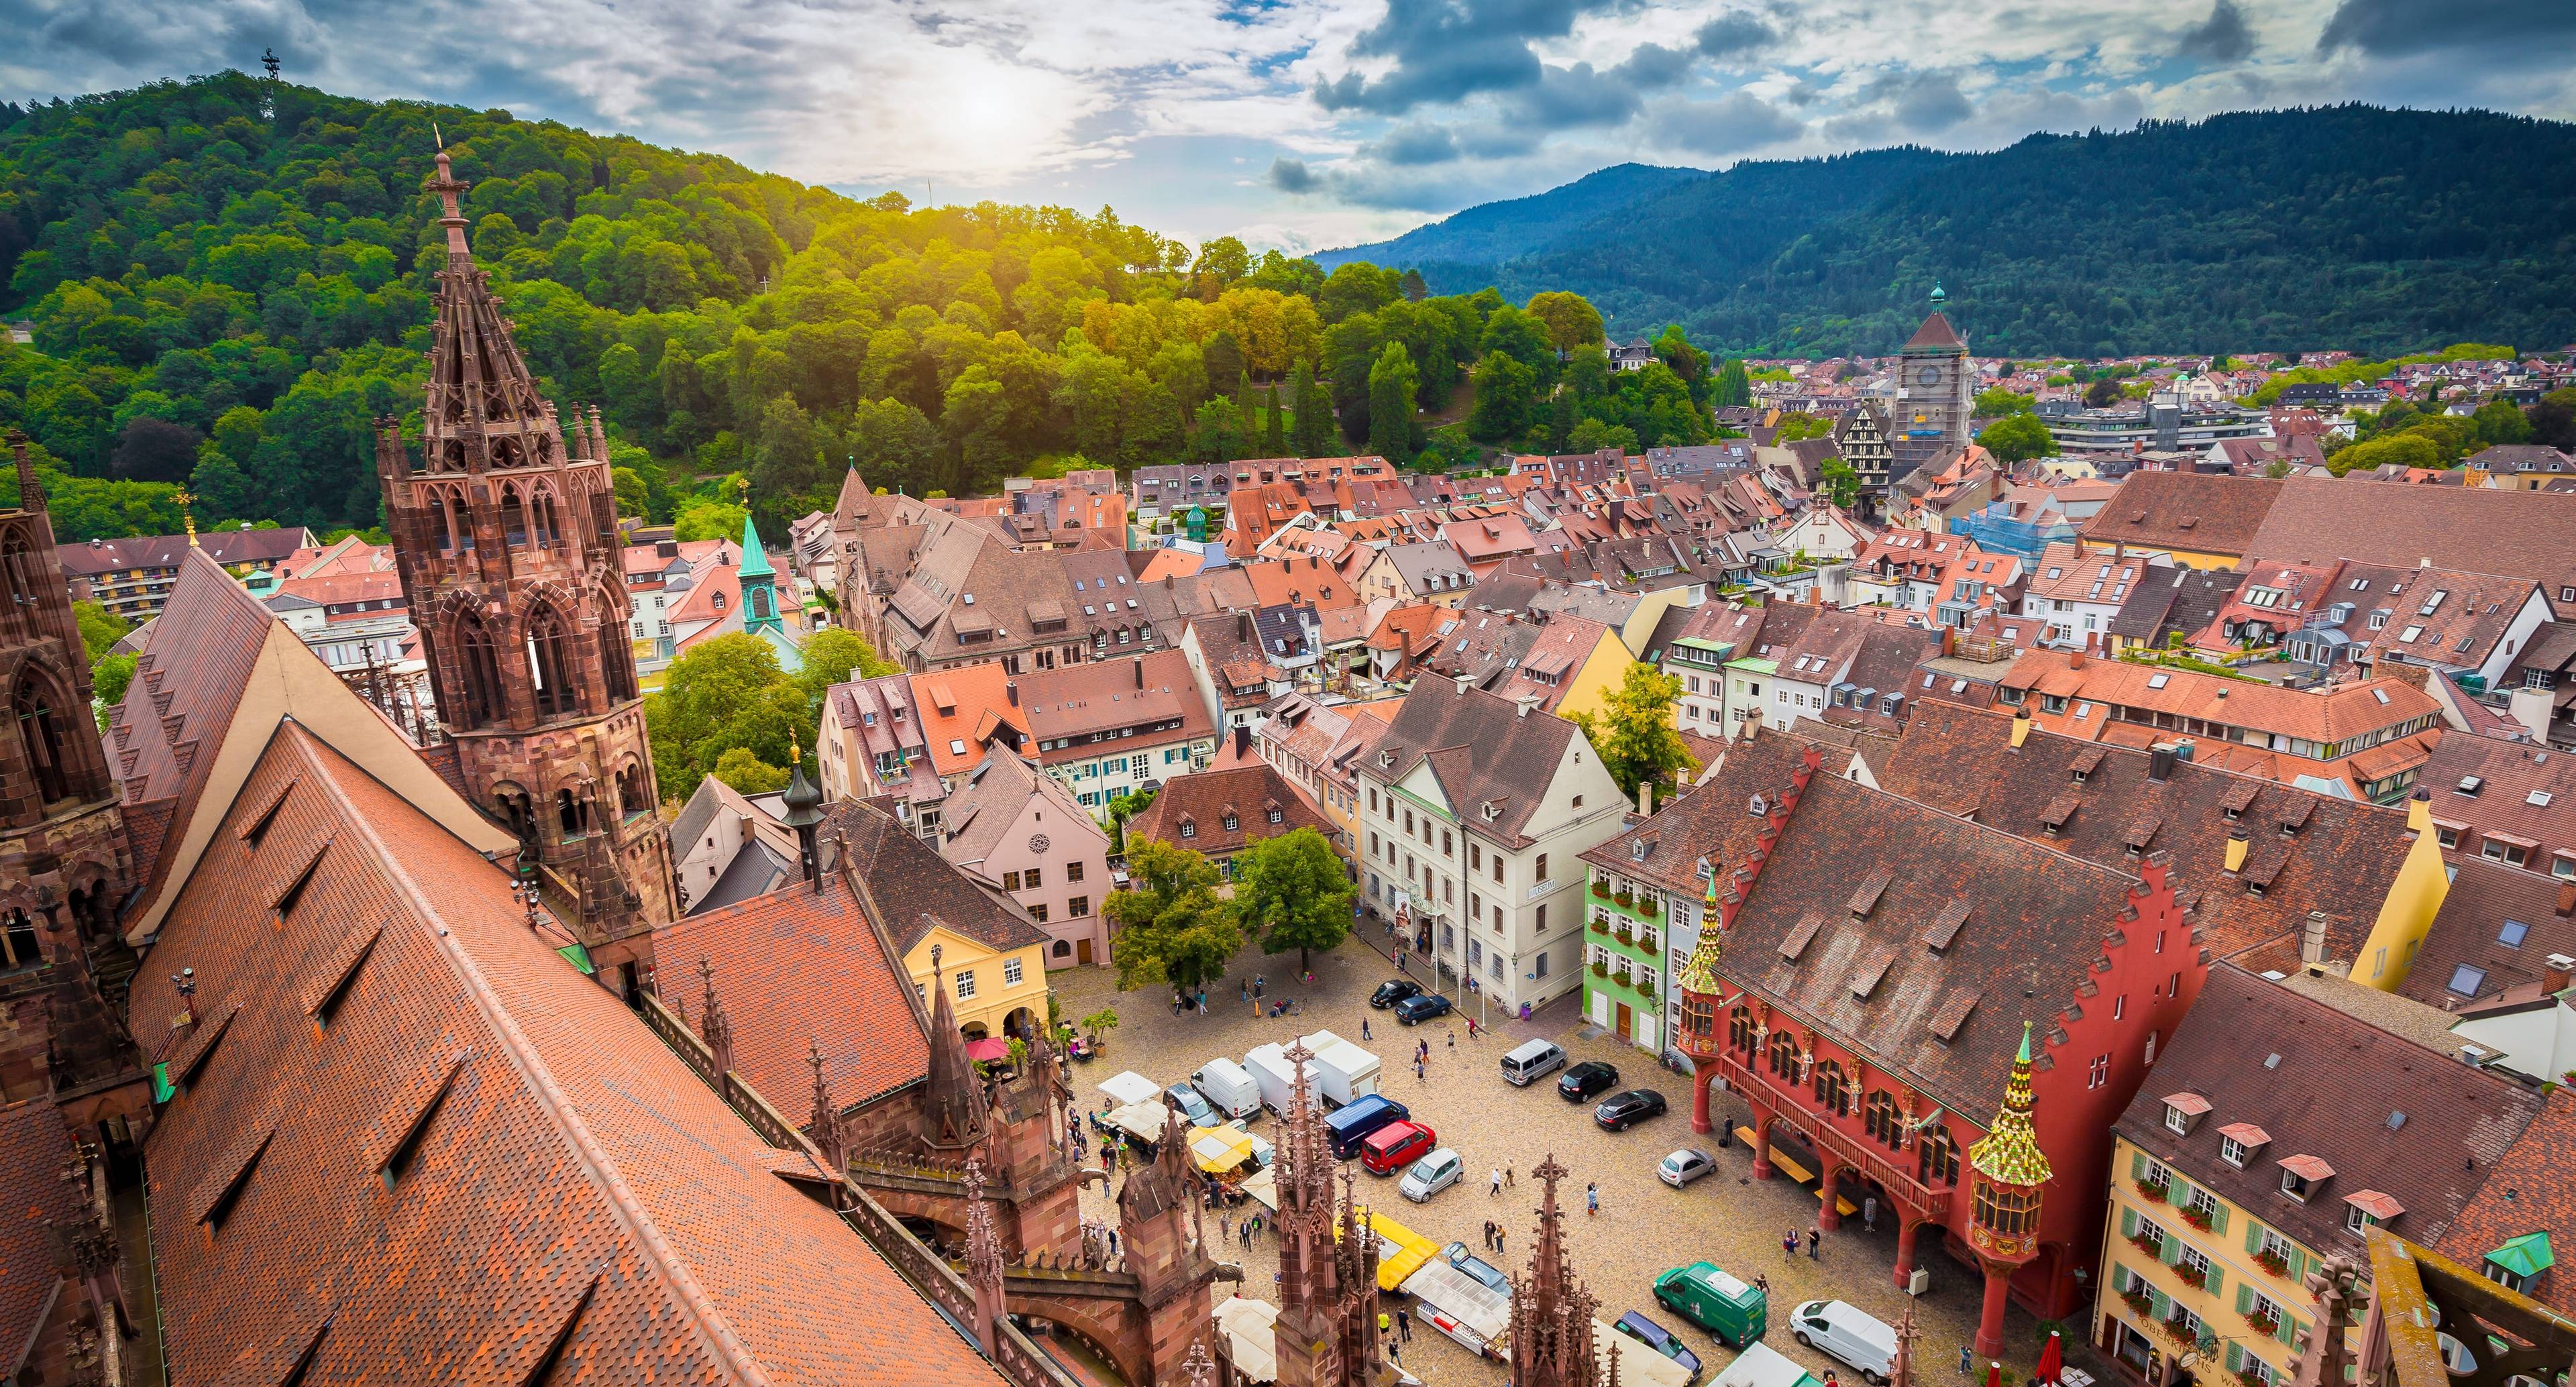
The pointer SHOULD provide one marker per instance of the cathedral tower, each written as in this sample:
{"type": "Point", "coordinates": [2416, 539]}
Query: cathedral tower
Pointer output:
{"type": "Point", "coordinates": [64, 860]}
{"type": "Point", "coordinates": [507, 542]}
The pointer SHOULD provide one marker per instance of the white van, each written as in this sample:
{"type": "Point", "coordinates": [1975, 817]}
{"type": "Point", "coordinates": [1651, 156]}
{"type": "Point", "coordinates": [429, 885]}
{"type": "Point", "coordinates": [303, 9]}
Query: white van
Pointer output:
{"type": "Point", "coordinates": [1227, 1087]}
{"type": "Point", "coordinates": [1533, 1061]}
{"type": "Point", "coordinates": [1842, 1330]}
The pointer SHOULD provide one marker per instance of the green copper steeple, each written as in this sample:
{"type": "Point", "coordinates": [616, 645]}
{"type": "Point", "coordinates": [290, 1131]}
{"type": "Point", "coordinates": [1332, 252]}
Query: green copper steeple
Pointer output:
{"type": "Point", "coordinates": [759, 587]}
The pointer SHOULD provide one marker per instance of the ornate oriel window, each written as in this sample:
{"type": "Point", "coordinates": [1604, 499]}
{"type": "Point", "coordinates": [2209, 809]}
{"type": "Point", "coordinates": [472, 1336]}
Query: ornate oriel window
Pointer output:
{"type": "Point", "coordinates": [1938, 1161]}
{"type": "Point", "coordinates": [1699, 1017]}
{"type": "Point", "coordinates": [2009, 1210]}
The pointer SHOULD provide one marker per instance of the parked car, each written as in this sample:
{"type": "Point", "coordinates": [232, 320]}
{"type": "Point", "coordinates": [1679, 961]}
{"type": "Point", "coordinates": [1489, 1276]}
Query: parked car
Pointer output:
{"type": "Point", "coordinates": [1586, 1079]}
{"type": "Point", "coordinates": [1477, 1267]}
{"type": "Point", "coordinates": [1705, 1295]}
{"type": "Point", "coordinates": [1839, 1329]}
{"type": "Point", "coordinates": [1394, 1146]}
{"type": "Point", "coordinates": [1432, 1174]}
{"type": "Point", "coordinates": [1194, 1110]}
{"type": "Point", "coordinates": [1351, 1125]}
{"type": "Point", "coordinates": [1622, 1111]}
{"type": "Point", "coordinates": [1684, 1166]}
{"type": "Point", "coordinates": [1413, 1011]}
{"type": "Point", "coordinates": [1660, 1339]}
{"type": "Point", "coordinates": [1533, 1060]}
{"type": "Point", "coordinates": [1392, 991]}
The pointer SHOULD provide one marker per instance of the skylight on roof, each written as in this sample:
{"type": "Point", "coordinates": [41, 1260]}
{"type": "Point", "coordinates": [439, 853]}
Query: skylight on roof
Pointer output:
{"type": "Point", "coordinates": [2158, 681]}
{"type": "Point", "coordinates": [2380, 694]}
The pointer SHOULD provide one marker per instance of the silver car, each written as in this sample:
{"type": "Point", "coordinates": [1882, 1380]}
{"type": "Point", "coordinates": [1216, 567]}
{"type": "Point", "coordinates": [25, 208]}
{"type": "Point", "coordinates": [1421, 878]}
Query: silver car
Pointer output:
{"type": "Point", "coordinates": [1684, 1166]}
{"type": "Point", "coordinates": [1432, 1174]}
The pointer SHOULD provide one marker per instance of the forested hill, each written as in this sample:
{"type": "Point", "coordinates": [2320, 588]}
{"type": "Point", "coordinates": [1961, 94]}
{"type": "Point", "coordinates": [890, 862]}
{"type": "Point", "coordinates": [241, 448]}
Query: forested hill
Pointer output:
{"type": "Point", "coordinates": [1493, 232]}
{"type": "Point", "coordinates": [2350, 226]}
{"type": "Point", "coordinates": [225, 279]}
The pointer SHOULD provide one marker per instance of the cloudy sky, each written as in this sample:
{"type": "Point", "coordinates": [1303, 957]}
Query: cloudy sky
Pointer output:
{"type": "Point", "coordinates": [1315, 123]}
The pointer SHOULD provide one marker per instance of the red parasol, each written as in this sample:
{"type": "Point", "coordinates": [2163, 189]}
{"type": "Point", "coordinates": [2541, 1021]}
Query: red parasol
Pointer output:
{"type": "Point", "coordinates": [2052, 1360]}
{"type": "Point", "coordinates": [1994, 1374]}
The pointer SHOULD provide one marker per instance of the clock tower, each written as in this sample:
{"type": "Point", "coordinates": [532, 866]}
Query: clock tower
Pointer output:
{"type": "Point", "coordinates": [1934, 394]}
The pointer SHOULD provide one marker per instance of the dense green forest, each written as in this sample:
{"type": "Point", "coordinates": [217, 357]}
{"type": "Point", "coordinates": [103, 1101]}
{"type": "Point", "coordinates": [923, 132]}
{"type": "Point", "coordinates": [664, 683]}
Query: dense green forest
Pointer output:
{"type": "Point", "coordinates": [227, 278]}
{"type": "Point", "coordinates": [2354, 227]}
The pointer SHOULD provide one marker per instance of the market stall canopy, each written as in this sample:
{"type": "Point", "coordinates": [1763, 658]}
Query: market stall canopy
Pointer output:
{"type": "Point", "coordinates": [1219, 1150]}
{"type": "Point", "coordinates": [988, 1050]}
{"type": "Point", "coordinates": [1128, 1086]}
{"type": "Point", "coordinates": [1264, 1186]}
{"type": "Point", "coordinates": [1143, 1121]}
{"type": "Point", "coordinates": [1251, 1337]}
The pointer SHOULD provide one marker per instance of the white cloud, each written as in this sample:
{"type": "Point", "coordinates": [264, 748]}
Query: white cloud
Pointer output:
{"type": "Point", "coordinates": [1182, 106]}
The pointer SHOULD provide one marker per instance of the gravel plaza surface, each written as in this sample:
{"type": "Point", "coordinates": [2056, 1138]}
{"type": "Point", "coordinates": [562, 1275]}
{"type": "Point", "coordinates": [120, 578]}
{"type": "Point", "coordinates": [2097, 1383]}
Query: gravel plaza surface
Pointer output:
{"type": "Point", "coordinates": [1644, 1227]}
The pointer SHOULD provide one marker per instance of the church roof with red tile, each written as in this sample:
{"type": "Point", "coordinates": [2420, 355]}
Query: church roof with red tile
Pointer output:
{"type": "Point", "coordinates": [800, 966]}
{"type": "Point", "coordinates": [35, 1146]}
{"type": "Point", "coordinates": [411, 1141]}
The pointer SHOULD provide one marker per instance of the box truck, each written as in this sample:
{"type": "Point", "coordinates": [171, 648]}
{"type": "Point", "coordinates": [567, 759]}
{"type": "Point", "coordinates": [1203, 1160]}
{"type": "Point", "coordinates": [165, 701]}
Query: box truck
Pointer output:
{"type": "Point", "coordinates": [1349, 1072]}
{"type": "Point", "coordinates": [1268, 1065]}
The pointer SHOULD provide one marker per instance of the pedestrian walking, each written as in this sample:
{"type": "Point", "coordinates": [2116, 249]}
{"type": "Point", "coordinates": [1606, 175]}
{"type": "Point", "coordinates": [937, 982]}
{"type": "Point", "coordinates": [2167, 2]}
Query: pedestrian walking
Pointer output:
{"type": "Point", "coordinates": [1260, 984]}
{"type": "Point", "coordinates": [1498, 1183]}
{"type": "Point", "coordinates": [1789, 1244]}
{"type": "Point", "coordinates": [1831, 1380]}
{"type": "Point", "coordinates": [1510, 1178]}
{"type": "Point", "coordinates": [1403, 1324]}
{"type": "Point", "coordinates": [1383, 1323]}
{"type": "Point", "coordinates": [1364, 1031]}
{"type": "Point", "coordinates": [1113, 1242]}
{"type": "Point", "coordinates": [1869, 1214]}
{"type": "Point", "coordinates": [1498, 1241]}
{"type": "Point", "coordinates": [1813, 1239]}
{"type": "Point", "coordinates": [1591, 1199]}
{"type": "Point", "coordinates": [1763, 1284]}
{"type": "Point", "coordinates": [1963, 1360]}
{"type": "Point", "coordinates": [1453, 1037]}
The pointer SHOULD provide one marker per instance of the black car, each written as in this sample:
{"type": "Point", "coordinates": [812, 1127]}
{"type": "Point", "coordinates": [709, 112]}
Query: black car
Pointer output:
{"type": "Point", "coordinates": [1421, 1007]}
{"type": "Point", "coordinates": [1621, 1111]}
{"type": "Point", "coordinates": [1392, 991]}
{"type": "Point", "coordinates": [1585, 1080]}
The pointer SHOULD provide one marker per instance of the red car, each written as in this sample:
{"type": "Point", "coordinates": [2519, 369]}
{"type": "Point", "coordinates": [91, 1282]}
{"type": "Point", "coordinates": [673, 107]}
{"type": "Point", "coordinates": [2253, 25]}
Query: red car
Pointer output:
{"type": "Point", "coordinates": [1398, 1144]}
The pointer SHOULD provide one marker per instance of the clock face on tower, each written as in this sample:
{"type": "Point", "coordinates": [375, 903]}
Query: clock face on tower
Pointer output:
{"type": "Point", "coordinates": [1928, 375]}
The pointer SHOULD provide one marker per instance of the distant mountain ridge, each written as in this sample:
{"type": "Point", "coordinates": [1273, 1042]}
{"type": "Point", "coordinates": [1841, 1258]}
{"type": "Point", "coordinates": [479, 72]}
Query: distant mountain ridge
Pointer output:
{"type": "Point", "coordinates": [2350, 226]}
{"type": "Point", "coordinates": [1492, 232]}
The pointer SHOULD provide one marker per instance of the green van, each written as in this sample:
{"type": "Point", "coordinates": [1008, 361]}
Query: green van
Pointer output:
{"type": "Point", "coordinates": [1733, 1311]}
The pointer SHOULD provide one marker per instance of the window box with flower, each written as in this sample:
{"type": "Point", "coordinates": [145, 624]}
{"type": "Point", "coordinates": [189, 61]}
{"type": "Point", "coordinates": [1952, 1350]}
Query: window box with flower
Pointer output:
{"type": "Point", "coordinates": [1648, 908]}
{"type": "Point", "coordinates": [2274, 1261]}
{"type": "Point", "coordinates": [2251, 1376]}
{"type": "Point", "coordinates": [1626, 935]}
{"type": "Point", "coordinates": [1600, 970]}
{"type": "Point", "coordinates": [1601, 927]}
{"type": "Point", "coordinates": [2194, 1275]}
{"type": "Point", "coordinates": [2149, 1241]}
{"type": "Point", "coordinates": [2265, 1318]}
{"type": "Point", "coordinates": [1624, 900]}
{"type": "Point", "coordinates": [2157, 1190]}
{"type": "Point", "coordinates": [1601, 887]}
{"type": "Point", "coordinates": [2180, 1331]}
{"type": "Point", "coordinates": [2198, 1216]}
{"type": "Point", "coordinates": [2140, 1300]}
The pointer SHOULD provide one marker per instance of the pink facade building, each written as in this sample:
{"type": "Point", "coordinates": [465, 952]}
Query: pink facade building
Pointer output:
{"type": "Point", "coordinates": [1022, 832]}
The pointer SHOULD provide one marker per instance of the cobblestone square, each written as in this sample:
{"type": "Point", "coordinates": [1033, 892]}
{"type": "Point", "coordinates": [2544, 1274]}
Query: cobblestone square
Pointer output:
{"type": "Point", "coordinates": [1643, 1228]}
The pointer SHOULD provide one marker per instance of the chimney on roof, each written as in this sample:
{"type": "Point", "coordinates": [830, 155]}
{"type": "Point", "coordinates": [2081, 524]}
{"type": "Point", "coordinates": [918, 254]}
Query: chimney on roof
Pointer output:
{"type": "Point", "coordinates": [2160, 762]}
{"type": "Point", "coordinates": [2566, 899]}
{"type": "Point", "coordinates": [1011, 692]}
{"type": "Point", "coordinates": [2075, 658]}
{"type": "Point", "coordinates": [1243, 626]}
{"type": "Point", "coordinates": [2554, 974]}
{"type": "Point", "coordinates": [1463, 681]}
{"type": "Point", "coordinates": [2312, 939]}
{"type": "Point", "coordinates": [1138, 664]}
{"type": "Point", "coordinates": [1646, 799]}
{"type": "Point", "coordinates": [2240, 841]}
{"type": "Point", "coordinates": [1242, 742]}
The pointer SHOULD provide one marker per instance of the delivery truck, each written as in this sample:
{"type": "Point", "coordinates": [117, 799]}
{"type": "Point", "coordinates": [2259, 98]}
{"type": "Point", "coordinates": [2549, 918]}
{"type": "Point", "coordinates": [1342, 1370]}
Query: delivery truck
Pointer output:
{"type": "Point", "coordinates": [1349, 1072]}
{"type": "Point", "coordinates": [1227, 1087]}
{"type": "Point", "coordinates": [1268, 1065]}
{"type": "Point", "coordinates": [1473, 1314]}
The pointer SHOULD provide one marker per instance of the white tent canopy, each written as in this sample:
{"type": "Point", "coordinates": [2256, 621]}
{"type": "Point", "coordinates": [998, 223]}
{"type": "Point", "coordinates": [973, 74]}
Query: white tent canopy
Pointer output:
{"type": "Point", "coordinates": [1128, 1086]}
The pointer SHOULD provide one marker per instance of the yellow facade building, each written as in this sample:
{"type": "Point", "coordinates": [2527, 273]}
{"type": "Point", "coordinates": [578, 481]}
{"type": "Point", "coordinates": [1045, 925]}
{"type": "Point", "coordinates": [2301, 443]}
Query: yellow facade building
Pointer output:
{"type": "Point", "coordinates": [2273, 1133]}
